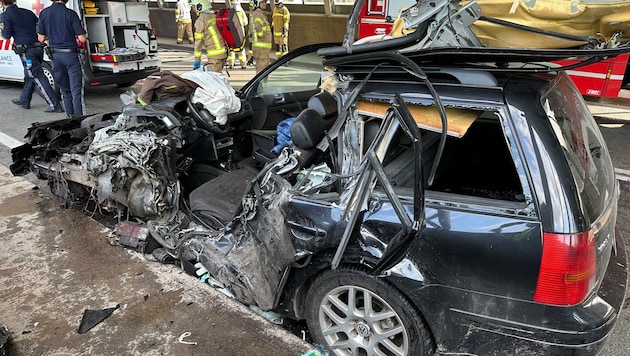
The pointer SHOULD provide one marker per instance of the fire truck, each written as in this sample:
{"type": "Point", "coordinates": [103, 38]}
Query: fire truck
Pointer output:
{"type": "Point", "coordinates": [121, 45]}
{"type": "Point", "coordinates": [533, 24]}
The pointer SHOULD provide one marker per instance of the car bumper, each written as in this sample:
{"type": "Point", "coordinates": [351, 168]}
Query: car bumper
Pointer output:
{"type": "Point", "coordinates": [469, 322]}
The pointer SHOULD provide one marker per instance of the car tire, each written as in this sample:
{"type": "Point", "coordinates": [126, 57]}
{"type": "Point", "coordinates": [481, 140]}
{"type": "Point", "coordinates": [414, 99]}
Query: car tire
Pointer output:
{"type": "Point", "coordinates": [48, 73]}
{"type": "Point", "coordinates": [338, 318]}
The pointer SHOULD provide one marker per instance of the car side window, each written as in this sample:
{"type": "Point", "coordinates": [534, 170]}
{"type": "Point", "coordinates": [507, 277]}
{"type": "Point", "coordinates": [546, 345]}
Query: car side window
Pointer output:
{"type": "Point", "coordinates": [477, 163]}
{"type": "Point", "coordinates": [302, 73]}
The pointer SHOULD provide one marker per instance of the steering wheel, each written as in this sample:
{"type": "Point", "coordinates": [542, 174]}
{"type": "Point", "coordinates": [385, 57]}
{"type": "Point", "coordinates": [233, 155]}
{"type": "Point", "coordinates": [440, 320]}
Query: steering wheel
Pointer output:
{"type": "Point", "coordinates": [205, 119]}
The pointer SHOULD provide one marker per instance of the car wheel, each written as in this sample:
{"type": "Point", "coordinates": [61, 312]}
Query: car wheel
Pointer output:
{"type": "Point", "coordinates": [353, 313]}
{"type": "Point", "coordinates": [48, 73]}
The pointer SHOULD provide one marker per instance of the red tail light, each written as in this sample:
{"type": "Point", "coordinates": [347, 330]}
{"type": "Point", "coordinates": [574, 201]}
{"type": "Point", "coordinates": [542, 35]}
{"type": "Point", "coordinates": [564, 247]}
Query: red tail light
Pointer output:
{"type": "Point", "coordinates": [568, 268]}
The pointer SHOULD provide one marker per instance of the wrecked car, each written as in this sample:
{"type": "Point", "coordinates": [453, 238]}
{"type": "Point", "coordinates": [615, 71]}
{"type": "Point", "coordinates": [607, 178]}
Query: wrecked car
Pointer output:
{"type": "Point", "coordinates": [445, 200]}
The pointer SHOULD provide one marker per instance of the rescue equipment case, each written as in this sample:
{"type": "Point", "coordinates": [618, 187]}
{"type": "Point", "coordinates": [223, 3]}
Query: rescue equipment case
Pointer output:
{"type": "Point", "coordinates": [231, 28]}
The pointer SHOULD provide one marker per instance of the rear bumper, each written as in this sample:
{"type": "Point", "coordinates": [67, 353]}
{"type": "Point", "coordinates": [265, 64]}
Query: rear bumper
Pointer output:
{"type": "Point", "coordinates": [475, 323]}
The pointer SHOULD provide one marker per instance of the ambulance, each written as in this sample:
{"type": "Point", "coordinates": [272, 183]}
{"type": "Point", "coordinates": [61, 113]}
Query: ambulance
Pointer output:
{"type": "Point", "coordinates": [121, 45]}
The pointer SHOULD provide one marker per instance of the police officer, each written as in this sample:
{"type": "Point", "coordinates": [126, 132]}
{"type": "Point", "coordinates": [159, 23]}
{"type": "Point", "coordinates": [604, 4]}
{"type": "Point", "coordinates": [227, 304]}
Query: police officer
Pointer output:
{"type": "Point", "coordinates": [261, 36]}
{"type": "Point", "coordinates": [21, 24]}
{"type": "Point", "coordinates": [207, 35]}
{"type": "Point", "coordinates": [62, 28]}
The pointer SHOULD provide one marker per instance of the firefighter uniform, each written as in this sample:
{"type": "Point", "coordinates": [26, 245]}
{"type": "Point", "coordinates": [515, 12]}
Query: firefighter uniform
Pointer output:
{"type": "Point", "coordinates": [184, 21]}
{"type": "Point", "coordinates": [62, 27]}
{"type": "Point", "coordinates": [280, 24]}
{"type": "Point", "coordinates": [242, 52]}
{"type": "Point", "coordinates": [21, 24]}
{"type": "Point", "coordinates": [261, 37]}
{"type": "Point", "coordinates": [207, 35]}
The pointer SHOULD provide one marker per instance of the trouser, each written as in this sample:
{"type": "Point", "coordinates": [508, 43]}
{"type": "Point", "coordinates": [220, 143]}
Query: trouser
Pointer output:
{"type": "Point", "coordinates": [184, 27]}
{"type": "Point", "coordinates": [216, 64]}
{"type": "Point", "coordinates": [281, 50]}
{"type": "Point", "coordinates": [68, 73]}
{"type": "Point", "coordinates": [242, 57]}
{"type": "Point", "coordinates": [261, 57]}
{"type": "Point", "coordinates": [35, 78]}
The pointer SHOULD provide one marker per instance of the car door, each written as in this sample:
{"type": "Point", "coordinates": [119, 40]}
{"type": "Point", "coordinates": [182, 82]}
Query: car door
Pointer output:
{"type": "Point", "coordinates": [282, 90]}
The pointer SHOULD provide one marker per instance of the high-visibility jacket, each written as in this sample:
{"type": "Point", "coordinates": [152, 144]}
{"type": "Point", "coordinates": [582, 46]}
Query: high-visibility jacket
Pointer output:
{"type": "Point", "coordinates": [280, 21]}
{"type": "Point", "coordinates": [207, 34]}
{"type": "Point", "coordinates": [182, 12]}
{"type": "Point", "coordinates": [261, 38]}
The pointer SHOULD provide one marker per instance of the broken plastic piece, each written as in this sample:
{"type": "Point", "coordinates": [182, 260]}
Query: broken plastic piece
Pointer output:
{"type": "Point", "coordinates": [4, 339]}
{"type": "Point", "coordinates": [91, 318]}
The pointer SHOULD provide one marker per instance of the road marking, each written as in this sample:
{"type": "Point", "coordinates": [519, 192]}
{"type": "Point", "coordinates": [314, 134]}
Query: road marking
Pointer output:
{"type": "Point", "coordinates": [9, 141]}
{"type": "Point", "coordinates": [622, 174]}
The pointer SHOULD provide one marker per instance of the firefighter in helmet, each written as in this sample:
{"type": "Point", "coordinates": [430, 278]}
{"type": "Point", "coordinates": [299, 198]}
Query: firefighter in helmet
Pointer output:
{"type": "Point", "coordinates": [242, 52]}
{"type": "Point", "coordinates": [280, 24]}
{"type": "Point", "coordinates": [261, 36]}
{"type": "Point", "coordinates": [207, 35]}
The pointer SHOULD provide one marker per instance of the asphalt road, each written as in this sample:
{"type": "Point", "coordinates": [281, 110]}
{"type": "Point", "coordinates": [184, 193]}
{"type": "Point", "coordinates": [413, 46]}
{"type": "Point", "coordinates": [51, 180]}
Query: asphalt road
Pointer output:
{"type": "Point", "coordinates": [14, 122]}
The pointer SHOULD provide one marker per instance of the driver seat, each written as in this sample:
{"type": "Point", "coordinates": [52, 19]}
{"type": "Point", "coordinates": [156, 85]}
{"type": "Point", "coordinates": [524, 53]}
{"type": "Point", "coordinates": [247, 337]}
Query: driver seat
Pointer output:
{"type": "Point", "coordinates": [217, 201]}
{"type": "Point", "coordinates": [321, 109]}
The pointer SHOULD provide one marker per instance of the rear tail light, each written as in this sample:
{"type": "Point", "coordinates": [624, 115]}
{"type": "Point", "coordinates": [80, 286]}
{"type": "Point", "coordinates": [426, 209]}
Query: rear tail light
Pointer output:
{"type": "Point", "coordinates": [567, 269]}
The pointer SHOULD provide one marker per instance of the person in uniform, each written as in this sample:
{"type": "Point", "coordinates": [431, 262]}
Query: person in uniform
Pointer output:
{"type": "Point", "coordinates": [21, 24]}
{"type": "Point", "coordinates": [184, 21]}
{"type": "Point", "coordinates": [207, 34]}
{"type": "Point", "coordinates": [242, 53]}
{"type": "Point", "coordinates": [280, 24]}
{"type": "Point", "coordinates": [62, 29]}
{"type": "Point", "coordinates": [261, 37]}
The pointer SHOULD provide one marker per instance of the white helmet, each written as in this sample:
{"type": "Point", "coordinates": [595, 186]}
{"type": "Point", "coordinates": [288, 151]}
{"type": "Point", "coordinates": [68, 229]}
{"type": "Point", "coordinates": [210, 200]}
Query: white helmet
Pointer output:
{"type": "Point", "coordinates": [201, 5]}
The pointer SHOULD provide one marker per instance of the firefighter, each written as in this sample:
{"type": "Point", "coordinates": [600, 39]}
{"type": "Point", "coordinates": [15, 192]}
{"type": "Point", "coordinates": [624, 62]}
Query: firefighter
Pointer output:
{"type": "Point", "coordinates": [184, 21]}
{"type": "Point", "coordinates": [280, 24]}
{"type": "Point", "coordinates": [242, 52]}
{"type": "Point", "coordinates": [207, 35]}
{"type": "Point", "coordinates": [261, 37]}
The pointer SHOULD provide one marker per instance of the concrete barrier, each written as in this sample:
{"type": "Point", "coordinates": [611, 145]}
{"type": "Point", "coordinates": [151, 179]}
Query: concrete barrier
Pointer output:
{"type": "Point", "coordinates": [304, 28]}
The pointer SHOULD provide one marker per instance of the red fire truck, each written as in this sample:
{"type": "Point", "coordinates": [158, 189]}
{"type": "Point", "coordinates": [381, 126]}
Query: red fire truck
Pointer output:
{"type": "Point", "coordinates": [603, 79]}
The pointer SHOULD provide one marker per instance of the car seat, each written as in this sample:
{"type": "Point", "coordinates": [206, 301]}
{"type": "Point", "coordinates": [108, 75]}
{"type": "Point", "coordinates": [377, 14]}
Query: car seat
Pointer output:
{"type": "Point", "coordinates": [321, 106]}
{"type": "Point", "coordinates": [217, 201]}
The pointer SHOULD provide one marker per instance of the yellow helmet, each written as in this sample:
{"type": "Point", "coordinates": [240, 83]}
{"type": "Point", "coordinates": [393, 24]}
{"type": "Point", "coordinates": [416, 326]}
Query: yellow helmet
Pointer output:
{"type": "Point", "coordinates": [201, 5]}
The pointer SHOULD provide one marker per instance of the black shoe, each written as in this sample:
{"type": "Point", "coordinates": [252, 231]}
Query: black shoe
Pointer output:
{"type": "Point", "coordinates": [179, 42]}
{"type": "Point", "coordinates": [18, 102]}
{"type": "Point", "coordinates": [191, 42]}
{"type": "Point", "coordinates": [59, 109]}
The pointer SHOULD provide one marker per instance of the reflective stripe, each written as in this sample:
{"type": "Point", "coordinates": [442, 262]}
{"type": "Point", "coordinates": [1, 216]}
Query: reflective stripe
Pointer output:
{"type": "Point", "coordinates": [198, 35]}
{"type": "Point", "coordinates": [262, 45]}
{"type": "Point", "coordinates": [215, 41]}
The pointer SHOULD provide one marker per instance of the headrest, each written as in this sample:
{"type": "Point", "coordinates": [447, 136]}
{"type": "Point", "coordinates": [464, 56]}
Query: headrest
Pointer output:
{"type": "Point", "coordinates": [324, 103]}
{"type": "Point", "coordinates": [308, 129]}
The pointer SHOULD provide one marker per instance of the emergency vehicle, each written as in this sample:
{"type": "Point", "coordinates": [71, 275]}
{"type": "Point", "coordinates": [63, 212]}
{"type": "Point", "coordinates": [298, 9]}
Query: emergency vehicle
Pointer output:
{"type": "Point", "coordinates": [121, 45]}
{"type": "Point", "coordinates": [578, 19]}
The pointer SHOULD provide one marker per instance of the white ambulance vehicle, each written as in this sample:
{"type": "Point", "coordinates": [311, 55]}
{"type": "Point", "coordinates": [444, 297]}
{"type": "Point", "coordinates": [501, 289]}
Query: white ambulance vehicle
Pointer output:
{"type": "Point", "coordinates": [121, 46]}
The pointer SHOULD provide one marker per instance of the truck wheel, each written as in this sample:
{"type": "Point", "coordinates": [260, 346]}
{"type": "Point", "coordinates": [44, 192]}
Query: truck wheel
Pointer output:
{"type": "Point", "coordinates": [125, 85]}
{"type": "Point", "coordinates": [353, 313]}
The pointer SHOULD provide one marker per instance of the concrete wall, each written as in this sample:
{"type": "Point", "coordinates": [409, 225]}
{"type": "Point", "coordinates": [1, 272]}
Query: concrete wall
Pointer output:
{"type": "Point", "coordinates": [304, 28]}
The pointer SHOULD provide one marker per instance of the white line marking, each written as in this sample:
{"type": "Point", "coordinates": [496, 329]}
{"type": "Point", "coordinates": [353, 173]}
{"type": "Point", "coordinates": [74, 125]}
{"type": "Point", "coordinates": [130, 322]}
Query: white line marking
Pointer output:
{"type": "Point", "coordinates": [9, 141]}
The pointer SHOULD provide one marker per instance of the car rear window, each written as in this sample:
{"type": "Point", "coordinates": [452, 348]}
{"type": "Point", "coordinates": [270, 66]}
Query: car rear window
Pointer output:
{"type": "Point", "coordinates": [582, 143]}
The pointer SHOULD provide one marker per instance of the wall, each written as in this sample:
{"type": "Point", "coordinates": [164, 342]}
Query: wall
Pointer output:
{"type": "Point", "coordinates": [304, 28]}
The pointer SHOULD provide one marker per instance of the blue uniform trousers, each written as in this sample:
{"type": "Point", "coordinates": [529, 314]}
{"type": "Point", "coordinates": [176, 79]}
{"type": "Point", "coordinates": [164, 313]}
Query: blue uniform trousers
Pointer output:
{"type": "Point", "coordinates": [68, 74]}
{"type": "Point", "coordinates": [35, 77]}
